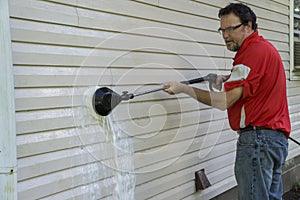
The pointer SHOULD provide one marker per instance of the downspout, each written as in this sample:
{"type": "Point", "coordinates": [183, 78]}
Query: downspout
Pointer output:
{"type": "Point", "coordinates": [8, 158]}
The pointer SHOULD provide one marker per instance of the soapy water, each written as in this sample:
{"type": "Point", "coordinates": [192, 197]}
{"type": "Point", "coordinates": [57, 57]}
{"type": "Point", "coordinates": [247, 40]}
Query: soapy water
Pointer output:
{"type": "Point", "coordinates": [110, 148]}
{"type": "Point", "coordinates": [123, 161]}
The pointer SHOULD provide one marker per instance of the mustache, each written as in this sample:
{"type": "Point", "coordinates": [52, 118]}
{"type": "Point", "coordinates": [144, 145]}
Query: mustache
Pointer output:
{"type": "Point", "coordinates": [229, 40]}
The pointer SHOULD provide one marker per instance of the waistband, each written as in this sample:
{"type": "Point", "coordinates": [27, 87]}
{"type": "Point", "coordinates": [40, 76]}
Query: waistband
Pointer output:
{"type": "Point", "coordinates": [252, 128]}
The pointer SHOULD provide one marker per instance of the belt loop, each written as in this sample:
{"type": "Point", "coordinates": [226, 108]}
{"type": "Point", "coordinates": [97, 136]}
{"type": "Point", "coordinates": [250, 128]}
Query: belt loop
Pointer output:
{"type": "Point", "coordinates": [254, 128]}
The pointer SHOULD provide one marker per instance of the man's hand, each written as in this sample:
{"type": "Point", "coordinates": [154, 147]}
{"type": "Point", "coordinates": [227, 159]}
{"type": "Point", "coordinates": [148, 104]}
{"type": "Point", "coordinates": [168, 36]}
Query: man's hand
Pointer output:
{"type": "Point", "coordinates": [217, 84]}
{"type": "Point", "coordinates": [174, 87]}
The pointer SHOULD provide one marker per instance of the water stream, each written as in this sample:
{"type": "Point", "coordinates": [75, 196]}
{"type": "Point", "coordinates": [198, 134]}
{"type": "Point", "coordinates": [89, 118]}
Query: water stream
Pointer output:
{"type": "Point", "coordinates": [123, 160]}
{"type": "Point", "coordinates": [110, 151]}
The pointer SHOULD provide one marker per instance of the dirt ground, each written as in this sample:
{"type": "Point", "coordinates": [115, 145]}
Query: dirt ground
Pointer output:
{"type": "Point", "coordinates": [293, 194]}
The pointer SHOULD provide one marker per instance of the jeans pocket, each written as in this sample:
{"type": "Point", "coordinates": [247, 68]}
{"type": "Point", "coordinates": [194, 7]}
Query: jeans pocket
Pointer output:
{"type": "Point", "coordinates": [247, 139]}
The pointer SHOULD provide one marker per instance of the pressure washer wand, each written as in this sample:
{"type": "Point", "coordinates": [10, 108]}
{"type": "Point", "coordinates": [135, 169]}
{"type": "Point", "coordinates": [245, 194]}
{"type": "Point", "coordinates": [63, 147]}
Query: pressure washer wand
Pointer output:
{"type": "Point", "coordinates": [210, 78]}
{"type": "Point", "coordinates": [148, 91]}
{"type": "Point", "coordinates": [105, 99]}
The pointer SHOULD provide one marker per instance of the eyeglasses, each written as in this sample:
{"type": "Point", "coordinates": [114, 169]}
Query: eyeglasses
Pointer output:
{"type": "Point", "coordinates": [229, 29]}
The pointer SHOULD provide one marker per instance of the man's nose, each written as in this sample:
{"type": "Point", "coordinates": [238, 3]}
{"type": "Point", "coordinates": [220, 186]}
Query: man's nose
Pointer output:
{"type": "Point", "coordinates": [225, 34]}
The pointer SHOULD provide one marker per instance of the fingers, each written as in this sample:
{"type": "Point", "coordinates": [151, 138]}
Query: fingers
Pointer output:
{"type": "Point", "coordinates": [172, 87]}
{"type": "Point", "coordinates": [217, 86]}
{"type": "Point", "coordinates": [218, 83]}
{"type": "Point", "coordinates": [167, 86]}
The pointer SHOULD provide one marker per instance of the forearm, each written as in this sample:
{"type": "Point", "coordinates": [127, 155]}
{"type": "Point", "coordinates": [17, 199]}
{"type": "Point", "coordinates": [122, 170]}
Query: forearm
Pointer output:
{"type": "Point", "coordinates": [215, 99]}
{"type": "Point", "coordinates": [220, 100]}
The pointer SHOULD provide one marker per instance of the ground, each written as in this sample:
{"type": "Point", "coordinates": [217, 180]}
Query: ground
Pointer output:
{"type": "Point", "coordinates": [293, 194]}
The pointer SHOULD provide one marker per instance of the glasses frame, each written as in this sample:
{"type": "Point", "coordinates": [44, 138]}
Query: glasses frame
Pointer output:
{"type": "Point", "coordinates": [229, 29]}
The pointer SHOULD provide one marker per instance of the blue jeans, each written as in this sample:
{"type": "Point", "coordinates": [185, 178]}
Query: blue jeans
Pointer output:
{"type": "Point", "coordinates": [260, 155]}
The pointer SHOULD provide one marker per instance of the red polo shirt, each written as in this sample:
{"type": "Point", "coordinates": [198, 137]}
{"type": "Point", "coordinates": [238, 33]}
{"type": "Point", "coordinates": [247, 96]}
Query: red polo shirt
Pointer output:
{"type": "Point", "coordinates": [258, 68]}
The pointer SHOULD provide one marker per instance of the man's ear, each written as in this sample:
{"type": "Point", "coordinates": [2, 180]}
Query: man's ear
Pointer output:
{"type": "Point", "coordinates": [249, 26]}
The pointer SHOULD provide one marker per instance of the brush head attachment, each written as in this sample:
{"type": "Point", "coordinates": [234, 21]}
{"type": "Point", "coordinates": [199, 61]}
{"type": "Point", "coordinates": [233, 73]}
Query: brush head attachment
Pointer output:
{"type": "Point", "coordinates": [105, 100]}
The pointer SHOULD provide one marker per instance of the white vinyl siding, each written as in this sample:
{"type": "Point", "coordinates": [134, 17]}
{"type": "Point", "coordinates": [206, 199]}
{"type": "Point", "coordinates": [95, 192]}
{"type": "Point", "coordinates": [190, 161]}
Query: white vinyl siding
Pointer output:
{"type": "Point", "coordinates": [294, 108]}
{"type": "Point", "coordinates": [62, 47]}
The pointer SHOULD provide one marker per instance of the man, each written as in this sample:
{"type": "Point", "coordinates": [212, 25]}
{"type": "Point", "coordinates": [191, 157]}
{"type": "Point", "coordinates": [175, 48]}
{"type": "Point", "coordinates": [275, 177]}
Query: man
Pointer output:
{"type": "Point", "coordinates": [256, 102]}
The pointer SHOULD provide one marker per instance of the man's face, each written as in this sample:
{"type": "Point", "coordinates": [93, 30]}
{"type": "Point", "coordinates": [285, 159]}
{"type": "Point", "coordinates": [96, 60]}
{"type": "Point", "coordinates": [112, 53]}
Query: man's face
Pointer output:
{"type": "Point", "coordinates": [233, 32]}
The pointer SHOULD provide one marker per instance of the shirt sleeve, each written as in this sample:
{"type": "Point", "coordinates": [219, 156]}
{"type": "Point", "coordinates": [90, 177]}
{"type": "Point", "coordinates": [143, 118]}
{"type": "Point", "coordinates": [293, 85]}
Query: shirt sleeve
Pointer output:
{"type": "Point", "coordinates": [241, 76]}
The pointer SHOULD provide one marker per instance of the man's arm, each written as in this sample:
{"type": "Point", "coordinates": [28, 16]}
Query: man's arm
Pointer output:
{"type": "Point", "coordinates": [220, 100]}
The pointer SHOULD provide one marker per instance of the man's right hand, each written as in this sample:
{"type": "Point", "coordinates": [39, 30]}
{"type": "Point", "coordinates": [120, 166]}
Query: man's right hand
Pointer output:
{"type": "Point", "coordinates": [219, 81]}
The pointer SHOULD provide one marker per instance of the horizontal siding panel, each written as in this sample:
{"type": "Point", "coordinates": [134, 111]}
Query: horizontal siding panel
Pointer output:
{"type": "Point", "coordinates": [273, 26]}
{"type": "Point", "coordinates": [190, 7]}
{"type": "Point", "coordinates": [185, 175]}
{"type": "Point", "coordinates": [132, 60]}
{"type": "Point", "coordinates": [293, 100]}
{"type": "Point", "coordinates": [44, 120]}
{"type": "Point", "coordinates": [39, 165]}
{"type": "Point", "coordinates": [37, 10]}
{"type": "Point", "coordinates": [43, 98]}
{"type": "Point", "coordinates": [177, 179]}
{"type": "Point", "coordinates": [281, 46]}
{"type": "Point", "coordinates": [51, 141]}
{"type": "Point", "coordinates": [293, 84]}
{"type": "Point", "coordinates": [87, 191]}
{"type": "Point", "coordinates": [274, 36]}
{"type": "Point", "coordinates": [46, 98]}
{"type": "Point", "coordinates": [185, 161]}
{"type": "Point", "coordinates": [263, 9]}
{"type": "Point", "coordinates": [99, 21]}
{"type": "Point", "coordinates": [283, 2]}
{"type": "Point", "coordinates": [293, 147]}
{"type": "Point", "coordinates": [78, 77]}
{"type": "Point", "coordinates": [57, 182]}
{"type": "Point", "coordinates": [121, 42]}
{"type": "Point", "coordinates": [184, 191]}
{"type": "Point", "coordinates": [71, 56]}
{"type": "Point", "coordinates": [161, 122]}
{"type": "Point", "coordinates": [294, 109]}
{"type": "Point", "coordinates": [57, 34]}
{"type": "Point", "coordinates": [268, 5]}
{"type": "Point", "coordinates": [141, 11]}
{"type": "Point", "coordinates": [128, 110]}
{"type": "Point", "coordinates": [142, 143]}
{"type": "Point", "coordinates": [174, 151]}
{"type": "Point", "coordinates": [45, 163]}
{"type": "Point", "coordinates": [85, 153]}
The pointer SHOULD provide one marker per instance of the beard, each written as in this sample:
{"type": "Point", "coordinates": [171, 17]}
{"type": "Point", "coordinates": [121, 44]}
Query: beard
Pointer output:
{"type": "Point", "coordinates": [232, 45]}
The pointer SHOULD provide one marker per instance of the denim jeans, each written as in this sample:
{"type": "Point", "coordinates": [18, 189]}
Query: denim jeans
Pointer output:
{"type": "Point", "coordinates": [260, 155]}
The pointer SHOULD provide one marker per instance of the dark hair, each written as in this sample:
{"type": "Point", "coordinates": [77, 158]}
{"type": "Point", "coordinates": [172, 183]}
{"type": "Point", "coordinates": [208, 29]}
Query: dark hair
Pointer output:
{"type": "Point", "coordinates": [242, 11]}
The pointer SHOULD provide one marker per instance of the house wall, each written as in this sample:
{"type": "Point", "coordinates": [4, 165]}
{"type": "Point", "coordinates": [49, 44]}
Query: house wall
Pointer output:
{"type": "Point", "coordinates": [64, 48]}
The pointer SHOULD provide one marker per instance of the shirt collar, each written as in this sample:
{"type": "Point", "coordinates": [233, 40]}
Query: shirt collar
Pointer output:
{"type": "Point", "coordinates": [244, 45]}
